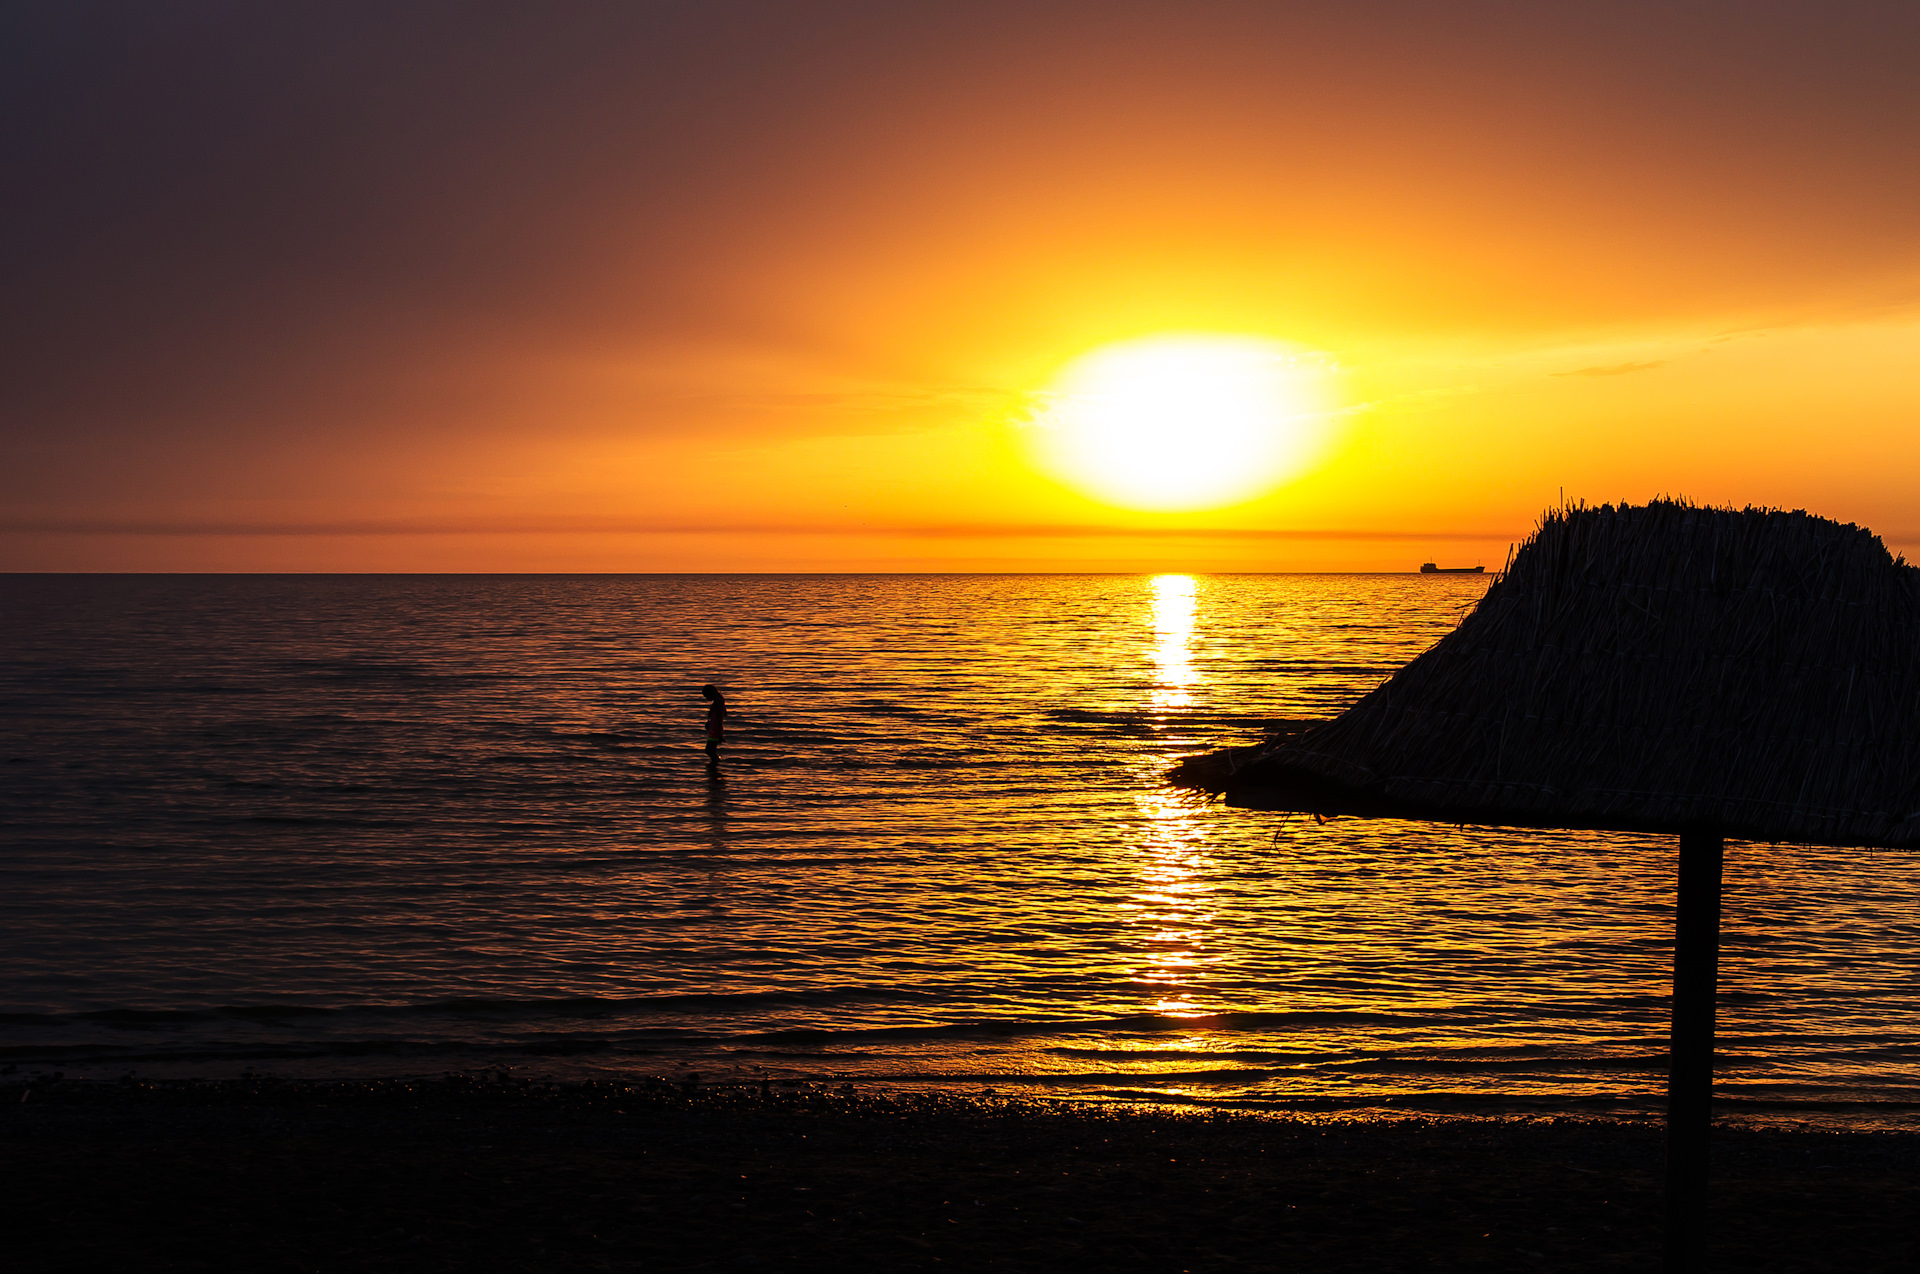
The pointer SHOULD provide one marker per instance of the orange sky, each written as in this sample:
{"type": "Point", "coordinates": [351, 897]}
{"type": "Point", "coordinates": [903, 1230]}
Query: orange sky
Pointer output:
{"type": "Point", "coordinates": [604, 288]}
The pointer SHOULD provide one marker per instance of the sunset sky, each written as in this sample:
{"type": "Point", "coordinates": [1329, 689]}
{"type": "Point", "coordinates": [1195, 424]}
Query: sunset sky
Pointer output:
{"type": "Point", "coordinates": [771, 287]}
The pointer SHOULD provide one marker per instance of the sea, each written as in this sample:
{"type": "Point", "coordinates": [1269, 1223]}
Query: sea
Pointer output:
{"type": "Point", "coordinates": [346, 826]}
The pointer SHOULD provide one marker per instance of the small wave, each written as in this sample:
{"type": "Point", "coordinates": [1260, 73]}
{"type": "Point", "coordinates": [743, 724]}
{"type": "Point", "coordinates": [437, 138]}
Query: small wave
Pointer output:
{"type": "Point", "coordinates": [1157, 717]}
{"type": "Point", "coordinates": [319, 820]}
{"type": "Point", "coordinates": [1498, 1065]}
{"type": "Point", "coordinates": [595, 738]}
{"type": "Point", "coordinates": [519, 1009]}
{"type": "Point", "coordinates": [1736, 1103]}
{"type": "Point", "coordinates": [1141, 1024]}
{"type": "Point", "coordinates": [1139, 716]}
{"type": "Point", "coordinates": [905, 712]}
{"type": "Point", "coordinates": [599, 1006]}
{"type": "Point", "coordinates": [309, 1051]}
{"type": "Point", "coordinates": [1248, 1056]}
{"type": "Point", "coordinates": [376, 670]}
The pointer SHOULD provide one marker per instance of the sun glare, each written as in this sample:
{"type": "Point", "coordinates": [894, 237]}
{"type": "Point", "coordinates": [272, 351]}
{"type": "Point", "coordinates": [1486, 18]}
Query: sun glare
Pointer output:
{"type": "Point", "coordinates": [1184, 422]}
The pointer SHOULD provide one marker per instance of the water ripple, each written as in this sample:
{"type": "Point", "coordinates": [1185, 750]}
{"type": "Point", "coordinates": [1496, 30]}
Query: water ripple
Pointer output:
{"type": "Point", "coordinates": [442, 821]}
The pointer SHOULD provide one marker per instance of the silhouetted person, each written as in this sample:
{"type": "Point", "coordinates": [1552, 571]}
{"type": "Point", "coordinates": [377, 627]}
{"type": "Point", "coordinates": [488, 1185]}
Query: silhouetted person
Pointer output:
{"type": "Point", "coordinates": [716, 721]}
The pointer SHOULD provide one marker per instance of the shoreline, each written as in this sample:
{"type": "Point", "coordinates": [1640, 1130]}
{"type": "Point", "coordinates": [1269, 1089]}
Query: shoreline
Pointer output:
{"type": "Point", "coordinates": [501, 1173]}
{"type": "Point", "coordinates": [1820, 1112]}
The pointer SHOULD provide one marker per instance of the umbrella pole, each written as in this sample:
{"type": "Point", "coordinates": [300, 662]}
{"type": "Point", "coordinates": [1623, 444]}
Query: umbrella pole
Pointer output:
{"type": "Point", "coordinates": [1696, 959]}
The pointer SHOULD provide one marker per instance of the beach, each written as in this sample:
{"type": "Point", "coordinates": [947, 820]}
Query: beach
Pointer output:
{"type": "Point", "coordinates": [494, 1172]}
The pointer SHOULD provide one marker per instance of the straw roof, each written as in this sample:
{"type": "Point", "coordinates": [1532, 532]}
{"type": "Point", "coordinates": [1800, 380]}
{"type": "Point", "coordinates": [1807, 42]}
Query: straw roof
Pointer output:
{"type": "Point", "coordinates": [1647, 668]}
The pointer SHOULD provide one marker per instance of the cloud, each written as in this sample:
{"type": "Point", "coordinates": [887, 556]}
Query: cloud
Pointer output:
{"type": "Point", "coordinates": [645, 526]}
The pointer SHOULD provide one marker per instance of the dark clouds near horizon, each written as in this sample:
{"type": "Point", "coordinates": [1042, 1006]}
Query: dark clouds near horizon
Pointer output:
{"type": "Point", "coordinates": [232, 225]}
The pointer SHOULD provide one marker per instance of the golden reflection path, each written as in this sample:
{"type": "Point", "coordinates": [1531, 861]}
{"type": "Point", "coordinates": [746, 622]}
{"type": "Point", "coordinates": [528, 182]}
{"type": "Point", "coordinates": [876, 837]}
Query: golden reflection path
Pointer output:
{"type": "Point", "coordinates": [1171, 907]}
{"type": "Point", "coordinates": [1174, 607]}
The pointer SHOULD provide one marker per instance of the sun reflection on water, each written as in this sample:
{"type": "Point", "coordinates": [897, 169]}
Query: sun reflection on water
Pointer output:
{"type": "Point", "coordinates": [1173, 615]}
{"type": "Point", "coordinates": [1170, 904]}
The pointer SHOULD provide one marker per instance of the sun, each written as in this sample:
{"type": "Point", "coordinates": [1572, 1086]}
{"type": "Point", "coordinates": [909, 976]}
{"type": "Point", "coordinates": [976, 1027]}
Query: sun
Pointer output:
{"type": "Point", "coordinates": [1184, 422]}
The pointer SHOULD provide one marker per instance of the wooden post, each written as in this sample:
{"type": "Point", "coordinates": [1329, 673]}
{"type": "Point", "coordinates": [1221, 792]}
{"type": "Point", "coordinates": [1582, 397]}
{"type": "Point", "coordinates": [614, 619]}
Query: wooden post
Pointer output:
{"type": "Point", "coordinates": [1696, 965]}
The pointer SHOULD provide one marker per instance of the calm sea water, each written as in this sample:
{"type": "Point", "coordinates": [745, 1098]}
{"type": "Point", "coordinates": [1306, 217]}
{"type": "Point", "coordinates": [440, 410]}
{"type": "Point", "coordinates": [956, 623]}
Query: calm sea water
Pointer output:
{"type": "Point", "coordinates": [331, 825]}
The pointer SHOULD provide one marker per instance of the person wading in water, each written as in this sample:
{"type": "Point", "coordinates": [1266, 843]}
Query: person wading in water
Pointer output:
{"type": "Point", "coordinates": [716, 719]}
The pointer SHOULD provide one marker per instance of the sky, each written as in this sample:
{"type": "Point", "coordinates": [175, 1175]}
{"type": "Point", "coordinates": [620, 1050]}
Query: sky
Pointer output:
{"type": "Point", "coordinates": [787, 287]}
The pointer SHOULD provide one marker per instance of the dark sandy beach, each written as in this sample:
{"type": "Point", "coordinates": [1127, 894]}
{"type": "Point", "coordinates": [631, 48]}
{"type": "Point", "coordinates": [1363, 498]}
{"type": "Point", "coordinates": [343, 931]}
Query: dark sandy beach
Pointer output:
{"type": "Point", "coordinates": [471, 1173]}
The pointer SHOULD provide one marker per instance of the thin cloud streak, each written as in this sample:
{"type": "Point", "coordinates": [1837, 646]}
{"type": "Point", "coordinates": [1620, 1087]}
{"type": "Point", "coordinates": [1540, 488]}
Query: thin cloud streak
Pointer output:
{"type": "Point", "coordinates": [1617, 369]}
{"type": "Point", "coordinates": [629, 526]}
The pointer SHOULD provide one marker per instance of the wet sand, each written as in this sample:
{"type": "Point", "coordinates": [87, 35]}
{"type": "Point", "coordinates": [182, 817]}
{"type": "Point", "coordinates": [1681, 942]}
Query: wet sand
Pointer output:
{"type": "Point", "coordinates": [469, 1173]}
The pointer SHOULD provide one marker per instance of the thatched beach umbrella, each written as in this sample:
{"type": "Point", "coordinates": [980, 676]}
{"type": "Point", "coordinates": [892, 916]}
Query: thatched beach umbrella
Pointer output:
{"type": "Point", "coordinates": [1663, 668]}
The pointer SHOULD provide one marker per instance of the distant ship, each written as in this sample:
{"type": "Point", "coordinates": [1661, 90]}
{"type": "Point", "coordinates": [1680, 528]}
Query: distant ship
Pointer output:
{"type": "Point", "coordinates": [1428, 568]}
